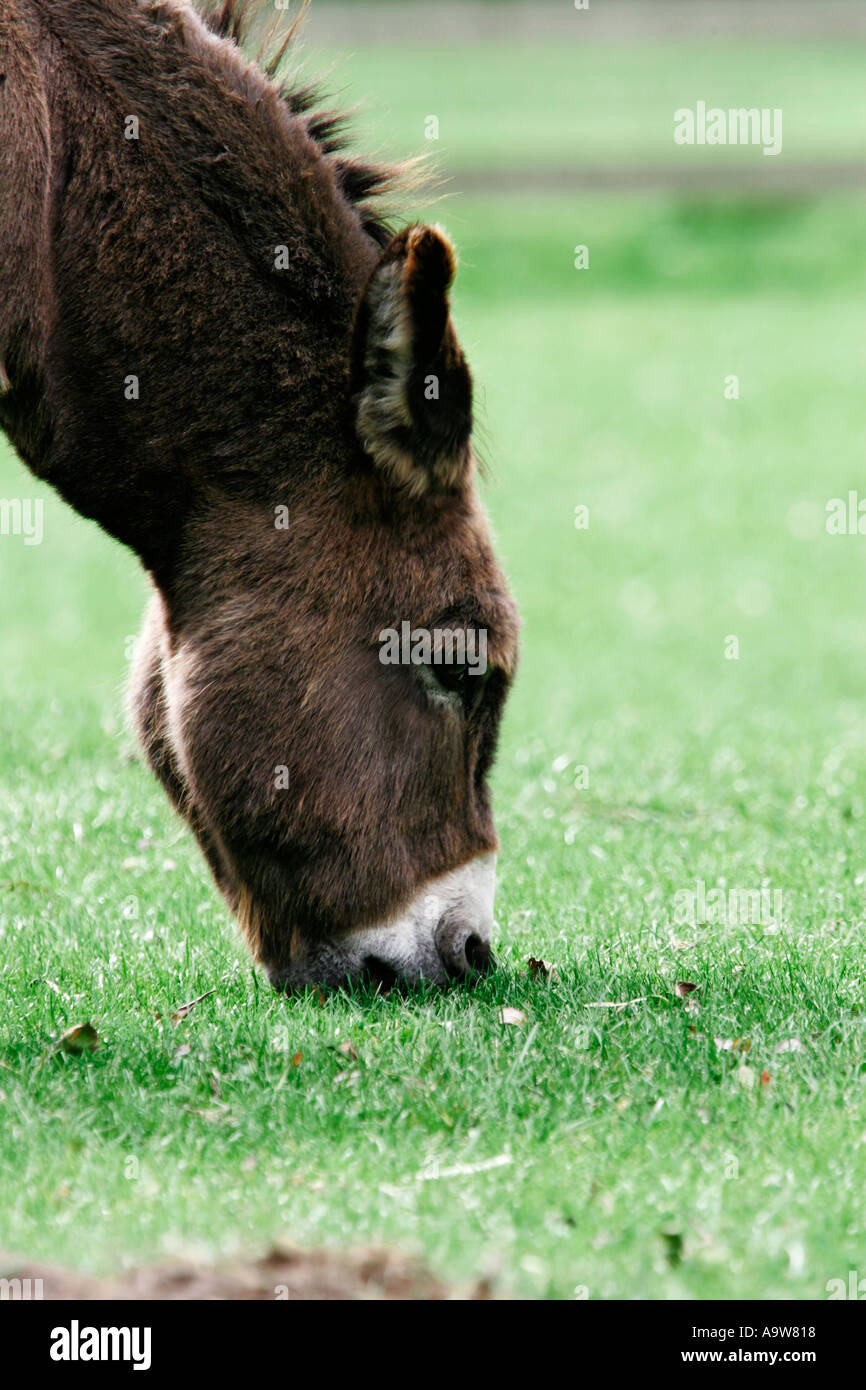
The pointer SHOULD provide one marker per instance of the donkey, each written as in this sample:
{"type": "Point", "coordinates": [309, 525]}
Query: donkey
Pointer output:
{"type": "Point", "coordinates": [212, 345]}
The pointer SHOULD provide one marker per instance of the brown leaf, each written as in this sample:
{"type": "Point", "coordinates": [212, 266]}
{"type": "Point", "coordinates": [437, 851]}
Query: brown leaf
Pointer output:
{"type": "Point", "coordinates": [541, 969]}
{"type": "Point", "coordinates": [766, 1078]}
{"type": "Point", "coordinates": [297, 1059]}
{"type": "Point", "coordinates": [186, 1009]}
{"type": "Point", "coordinates": [348, 1051]}
{"type": "Point", "coordinates": [81, 1037]}
{"type": "Point", "coordinates": [516, 1017]}
{"type": "Point", "coordinates": [684, 987]}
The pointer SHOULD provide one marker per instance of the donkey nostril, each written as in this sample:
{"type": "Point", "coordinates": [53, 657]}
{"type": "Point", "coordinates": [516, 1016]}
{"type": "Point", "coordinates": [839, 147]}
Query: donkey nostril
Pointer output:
{"type": "Point", "coordinates": [378, 973]}
{"type": "Point", "coordinates": [478, 955]}
{"type": "Point", "coordinates": [463, 955]}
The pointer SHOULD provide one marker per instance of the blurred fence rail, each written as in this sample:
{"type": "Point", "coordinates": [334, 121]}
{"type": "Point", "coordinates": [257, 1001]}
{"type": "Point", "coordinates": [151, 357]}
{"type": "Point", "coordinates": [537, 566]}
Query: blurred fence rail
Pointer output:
{"type": "Point", "coordinates": [767, 179]}
{"type": "Point", "coordinates": [426, 20]}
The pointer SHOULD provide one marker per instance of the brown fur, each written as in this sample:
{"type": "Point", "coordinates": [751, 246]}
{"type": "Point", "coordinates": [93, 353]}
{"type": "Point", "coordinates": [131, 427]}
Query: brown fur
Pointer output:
{"type": "Point", "coordinates": [260, 388]}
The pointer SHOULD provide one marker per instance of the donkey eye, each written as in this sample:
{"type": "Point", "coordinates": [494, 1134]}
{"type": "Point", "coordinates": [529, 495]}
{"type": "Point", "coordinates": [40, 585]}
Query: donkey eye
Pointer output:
{"type": "Point", "coordinates": [457, 680]}
{"type": "Point", "coordinates": [463, 682]}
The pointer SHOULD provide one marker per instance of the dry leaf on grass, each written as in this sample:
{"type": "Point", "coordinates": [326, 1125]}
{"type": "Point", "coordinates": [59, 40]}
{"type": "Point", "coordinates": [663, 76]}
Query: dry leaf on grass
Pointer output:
{"type": "Point", "coordinates": [766, 1078]}
{"type": "Point", "coordinates": [81, 1037]}
{"type": "Point", "coordinates": [683, 988]}
{"type": "Point", "coordinates": [348, 1050]}
{"type": "Point", "coordinates": [541, 969]}
{"type": "Point", "coordinates": [516, 1017]}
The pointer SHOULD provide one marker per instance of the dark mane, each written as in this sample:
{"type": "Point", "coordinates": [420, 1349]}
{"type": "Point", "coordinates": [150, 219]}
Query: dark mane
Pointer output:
{"type": "Point", "coordinates": [363, 182]}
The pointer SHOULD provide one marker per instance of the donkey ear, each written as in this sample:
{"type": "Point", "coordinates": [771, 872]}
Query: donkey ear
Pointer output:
{"type": "Point", "coordinates": [411, 386]}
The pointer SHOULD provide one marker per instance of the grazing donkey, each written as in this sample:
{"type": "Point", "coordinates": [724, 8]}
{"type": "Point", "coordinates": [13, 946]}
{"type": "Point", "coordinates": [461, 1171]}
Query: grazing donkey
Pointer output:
{"type": "Point", "coordinates": [211, 345]}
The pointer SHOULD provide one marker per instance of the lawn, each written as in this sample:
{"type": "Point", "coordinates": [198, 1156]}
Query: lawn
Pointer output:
{"type": "Point", "coordinates": [626, 1138]}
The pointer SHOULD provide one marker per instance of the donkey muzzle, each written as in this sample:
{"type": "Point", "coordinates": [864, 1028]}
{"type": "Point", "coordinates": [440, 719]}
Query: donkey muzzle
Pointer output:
{"type": "Point", "coordinates": [442, 936]}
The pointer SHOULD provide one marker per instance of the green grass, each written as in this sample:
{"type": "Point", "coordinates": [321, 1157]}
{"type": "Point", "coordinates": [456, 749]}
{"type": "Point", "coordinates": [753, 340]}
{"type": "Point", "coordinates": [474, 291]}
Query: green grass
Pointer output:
{"type": "Point", "coordinates": [643, 1156]}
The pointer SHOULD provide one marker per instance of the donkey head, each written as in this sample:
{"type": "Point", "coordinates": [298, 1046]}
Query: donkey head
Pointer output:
{"type": "Point", "coordinates": [330, 641]}
{"type": "Point", "coordinates": [330, 706]}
